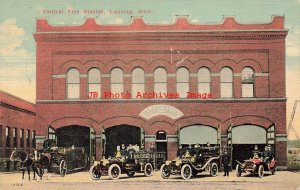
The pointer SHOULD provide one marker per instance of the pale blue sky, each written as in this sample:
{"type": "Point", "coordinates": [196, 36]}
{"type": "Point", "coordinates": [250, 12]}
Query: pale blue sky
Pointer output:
{"type": "Point", "coordinates": [17, 24]}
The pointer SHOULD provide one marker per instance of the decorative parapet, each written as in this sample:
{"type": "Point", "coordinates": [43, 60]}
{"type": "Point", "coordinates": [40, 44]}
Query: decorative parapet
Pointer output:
{"type": "Point", "coordinates": [181, 24]}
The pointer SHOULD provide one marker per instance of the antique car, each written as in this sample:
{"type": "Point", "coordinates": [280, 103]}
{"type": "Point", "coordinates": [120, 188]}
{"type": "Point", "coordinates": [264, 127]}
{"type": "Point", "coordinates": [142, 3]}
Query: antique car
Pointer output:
{"type": "Point", "coordinates": [256, 166]}
{"type": "Point", "coordinates": [192, 162]}
{"type": "Point", "coordinates": [137, 162]}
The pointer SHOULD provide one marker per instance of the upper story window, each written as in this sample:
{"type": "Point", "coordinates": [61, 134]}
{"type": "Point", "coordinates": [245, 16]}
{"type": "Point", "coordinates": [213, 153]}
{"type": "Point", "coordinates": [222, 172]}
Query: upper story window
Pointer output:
{"type": "Point", "coordinates": [226, 83]}
{"type": "Point", "coordinates": [94, 83]}
{"type": "Point", "coordinates": [138, 81]}
{"type": "Point", "coordinates": [182, 81]}
{"type": "Point", "coordinates": [160, 80]}
{"type": "Point", "coordinates": [247, 82]}
{"type": "Point", "coordinates": [73, 84]}
{"type": "Point", "coordinates": [116, 80]}
{"type": "Point", "coordinates": [7, 136]}
{"type": "Point", "coordinates": [204, 80]}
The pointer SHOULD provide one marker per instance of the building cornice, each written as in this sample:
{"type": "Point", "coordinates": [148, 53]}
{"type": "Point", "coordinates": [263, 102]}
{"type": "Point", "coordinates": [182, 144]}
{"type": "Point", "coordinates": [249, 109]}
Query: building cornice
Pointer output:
{"type": "Point", "coordinates": [159, 36]}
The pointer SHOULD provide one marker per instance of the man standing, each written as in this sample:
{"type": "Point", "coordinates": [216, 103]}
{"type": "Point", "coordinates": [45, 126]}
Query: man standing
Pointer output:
{"type": "Point", "coordinates": [226, 163]}
{"type": "Point", "coordinates": [47, 143]}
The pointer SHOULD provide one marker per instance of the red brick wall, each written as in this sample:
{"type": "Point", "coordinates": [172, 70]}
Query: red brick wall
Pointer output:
{"type": "Point", "coordinates": [213, 46]}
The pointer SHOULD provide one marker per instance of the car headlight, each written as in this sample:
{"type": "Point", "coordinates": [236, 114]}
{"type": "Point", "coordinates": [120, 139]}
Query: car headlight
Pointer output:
{"type": "Point", "coordinates": [96, 163]}
{"type": "Point", "coordinates": [254, 166]}
{"type": "Point", "coordinates": [105, 162]}
{"type": "Point", "coordinates": [178, 162]}
{"type": "Point", "coordinates": [168, 162]}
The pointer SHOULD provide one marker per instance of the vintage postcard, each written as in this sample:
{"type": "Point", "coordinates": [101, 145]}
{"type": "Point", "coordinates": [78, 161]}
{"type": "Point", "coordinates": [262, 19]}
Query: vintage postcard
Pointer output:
{"type": "Point", "coordinates": [150, 94]}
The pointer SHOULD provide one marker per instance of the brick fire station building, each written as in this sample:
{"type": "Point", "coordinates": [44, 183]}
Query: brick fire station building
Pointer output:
{"type": "Point", "coordinates": [100, 86]}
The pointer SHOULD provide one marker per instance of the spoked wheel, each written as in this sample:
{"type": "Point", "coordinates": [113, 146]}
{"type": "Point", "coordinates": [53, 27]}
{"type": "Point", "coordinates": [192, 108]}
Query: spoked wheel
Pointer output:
{"type": "Point", "coordinates": [186, 171]}
{"type": "Point", "coordinates": [165, 171]}
{"type": "Point", "coordinates": [213, 169]}
{"type": "Point", "coordinates": [130, 174]}
{"type": "Point", "coordinates": [148, 169]}
{"type": "Point", "coordinates": [238, 170]}
{"type": "Point", "coordinates": [261, 171]}
{"type": "Point", "coordinates": [95, 173]}
{"type": "Point", "coordinates": [63, 168]}
{"type": "Point", "coordinates": [114, 171]}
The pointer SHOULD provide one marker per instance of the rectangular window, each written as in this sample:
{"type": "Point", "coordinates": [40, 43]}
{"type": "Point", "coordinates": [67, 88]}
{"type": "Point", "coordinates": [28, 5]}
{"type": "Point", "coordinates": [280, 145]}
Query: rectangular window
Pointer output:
{"type": "Point", "coordinates": [182, 89]}
{"type": "Point", "coordinates": [73, 91]}
{"type": "Point", "coordinates": [137, 88]}
{"type": "Point", "coordinates": [94, 88]}
{"type": "Point", "coordinates": [7, 136]}
{"type": "Point", "coordinates": [28, 138]}
{"type": "Point", "coordinates": [15, 131]}
{"type": "Point", "coordinates": [204, 87]}
{"type": "Point", "coordinates": [116, 88]}
{"type": "Point", "coordinates": [160, 87]}
{"type": "Point", "coordinates": [226, 90]}
{"type": "Point", "coordinates": [247, 90]}
{"type": "Point", "coordinates": [22, 138]}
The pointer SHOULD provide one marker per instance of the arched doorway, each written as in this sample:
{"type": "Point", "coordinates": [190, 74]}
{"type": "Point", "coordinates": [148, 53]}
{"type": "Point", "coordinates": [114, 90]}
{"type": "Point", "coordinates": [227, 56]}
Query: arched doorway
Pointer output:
{"type": "Point", "coordinates": [243, 139]}
{"type": "Point", "coordinates": [161, 142]}
{"type": "Point", "coordinates": [77, 136]}
{"type": "Point", "coordinates": [121, 134]}
{"type": "Point", "coordinates": [198, 134]}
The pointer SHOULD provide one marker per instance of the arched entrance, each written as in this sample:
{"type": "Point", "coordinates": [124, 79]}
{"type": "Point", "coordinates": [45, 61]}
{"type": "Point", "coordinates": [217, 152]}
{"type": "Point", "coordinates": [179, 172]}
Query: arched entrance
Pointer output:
{"type": "Point", "coordinates": [121, 134]}
{"type": "Point", "coordinates": [244, 138]}
{"type": "Point", "coordinates": [77, 136]}
{"type": "Point", "coordinates": [198, 134]}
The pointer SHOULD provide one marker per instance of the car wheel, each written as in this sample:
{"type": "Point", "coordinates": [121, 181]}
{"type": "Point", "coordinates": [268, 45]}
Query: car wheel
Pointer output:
{"type": "Point", "coordinates": [186, 171]}
{"type": "Point", "coordinates": [63, 168]}
{"type": "Point", "coordinates": [95, 173]}
{"type": "Point", "coordinates": [148, 169]}
{"type": "Point", "coordinates": [261, 171]}
{"type": "Point", "coordinates": [130, 174]}
{"type": "Point", "coordinates": [165, 171]}
{"type": "Point", "coordinates": [213, 169]}
{"type": "Point", "coordinates": [114, 171]}
{"type": "Point", "coordinates": [238, 170]}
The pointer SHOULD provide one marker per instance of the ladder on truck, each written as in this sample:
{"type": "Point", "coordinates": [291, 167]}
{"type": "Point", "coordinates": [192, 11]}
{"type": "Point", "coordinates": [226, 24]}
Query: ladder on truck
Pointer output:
{"type": "Point", "coordinates": [290, 126]}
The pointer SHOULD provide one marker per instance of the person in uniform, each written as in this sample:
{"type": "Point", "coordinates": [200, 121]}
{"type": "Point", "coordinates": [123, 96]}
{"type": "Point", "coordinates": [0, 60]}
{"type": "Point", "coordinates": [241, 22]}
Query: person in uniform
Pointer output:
{"type": "Point", "coordinates": [47, 143]}
{"type": "Point", "coordinates": [198, 153]}
{"type": "Point", "coordinates": [124, 152]}
{"type": "Point", "coordinates": [152, 148]}
{"type": "Point", "coordinates": [265, 155]}
{"type": "Point", "coordinates": [226, 163]}
{"type": "Point", "coordinates": [255, 153]}
{"type": "Point", "coordinates": [271, 154]}
{"type": "Point", "coordinates": [179, 152]}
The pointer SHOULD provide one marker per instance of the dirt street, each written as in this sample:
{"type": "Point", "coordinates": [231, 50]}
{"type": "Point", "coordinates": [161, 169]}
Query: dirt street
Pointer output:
{"type": "Point", "coordinates": [283, 180]}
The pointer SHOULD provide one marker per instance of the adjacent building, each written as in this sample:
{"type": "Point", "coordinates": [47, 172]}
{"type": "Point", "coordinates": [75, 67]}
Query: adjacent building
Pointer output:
{"type": "Point", "coordinates": [17, 128]}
